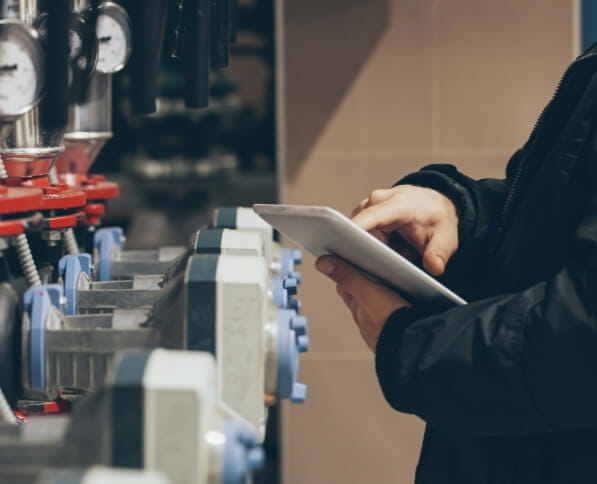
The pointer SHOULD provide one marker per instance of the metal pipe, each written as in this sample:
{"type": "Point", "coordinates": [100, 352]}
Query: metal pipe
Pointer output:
{"type": "Point", "coordinates": [149, 21]}
{"type": "Point", "coordinates": [196, 52]}
{"type": "Point", "coordinates": [220, 36]}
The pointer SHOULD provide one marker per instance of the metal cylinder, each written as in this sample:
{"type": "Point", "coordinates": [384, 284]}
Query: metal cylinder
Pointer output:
{"type": "Point", "coordinates": [89, 127]}
{"type": "Point", "coordinates": [32, 146]}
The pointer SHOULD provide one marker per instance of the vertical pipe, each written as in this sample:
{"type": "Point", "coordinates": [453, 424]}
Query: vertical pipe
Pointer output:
{"type": "Point", "coordinates": [148, 18]}
{"type": "Point", "coordinates": [234, 19]}
{"type": "Point", "coordinates": [220, 36]}
{"type": "Point", "coordinates": [196, 52]}
{"type": "Point", "coordinates": [55, 103]}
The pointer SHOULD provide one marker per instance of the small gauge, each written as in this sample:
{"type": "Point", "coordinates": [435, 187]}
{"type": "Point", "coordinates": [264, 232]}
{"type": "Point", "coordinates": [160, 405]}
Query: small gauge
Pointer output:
{"type": "Point", "coordinates": [114, 38]}
{"type": "Point", "coordinates": [21, 68]}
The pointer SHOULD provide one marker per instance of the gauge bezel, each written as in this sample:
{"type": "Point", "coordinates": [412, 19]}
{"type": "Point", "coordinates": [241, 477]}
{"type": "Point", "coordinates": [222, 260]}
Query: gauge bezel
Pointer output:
{"type": "Point", "coordinates": [121, 16]}
{"type": "Point", "coordinates": [29, 38]}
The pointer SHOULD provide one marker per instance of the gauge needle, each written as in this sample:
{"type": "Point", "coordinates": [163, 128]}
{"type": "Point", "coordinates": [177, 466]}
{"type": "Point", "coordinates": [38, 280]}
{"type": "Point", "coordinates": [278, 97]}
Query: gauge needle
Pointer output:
{"type": "Point", "coordinates": [13, 67]}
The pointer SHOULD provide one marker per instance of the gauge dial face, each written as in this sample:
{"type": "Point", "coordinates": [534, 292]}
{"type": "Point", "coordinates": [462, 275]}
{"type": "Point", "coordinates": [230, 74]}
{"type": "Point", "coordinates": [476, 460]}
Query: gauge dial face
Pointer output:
{"type": "Point", "coordinates": [114, 39]}
{"type": "Point", "coordinates": [21, 59]}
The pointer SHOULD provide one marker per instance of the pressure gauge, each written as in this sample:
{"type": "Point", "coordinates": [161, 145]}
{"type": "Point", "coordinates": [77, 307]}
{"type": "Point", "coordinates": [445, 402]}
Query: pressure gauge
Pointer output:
{"type": "Point", "coordinates": [114, 38]}
{"type": "Point", "coordinates": [21, 68]}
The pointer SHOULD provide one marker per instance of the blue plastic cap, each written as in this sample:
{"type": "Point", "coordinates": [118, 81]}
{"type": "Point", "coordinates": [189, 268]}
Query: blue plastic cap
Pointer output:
{"type": "Point", "coordinates": [289, 259]}
{"type": "Point", "coordinates": [70, 268]}
{"type": "Point", "coordinates": [291, 285]}
{"type": "Point", "coordinates": [294, 304]}
{"type": "Point", "coordinates": [299, 324]}
{"type": "Point", "coordinates": [302, 343]}
{"type": "Point", "coordinates": [104, 242]}
{"type": "Point", "coordinates": [37, 302]}
{"type": "Point", "coordinates": [299, 393]}
{"type": "Point", "coordinates": [296, 275]}
{"type": "Point", "coordinates": [242, 453]}
{"type": "Point", "coordinates": [256, 458]}
{"type": "Point", "coordinates": [288, 346]}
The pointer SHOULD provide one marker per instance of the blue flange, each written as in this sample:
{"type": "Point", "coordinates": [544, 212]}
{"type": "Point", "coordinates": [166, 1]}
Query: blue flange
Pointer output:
{"type": "Point", "coordinates": [288, 361]}
{"type": "Point", "coordinates": [242, 453]}
{"type": "Point", "coordinates": [70, 268]}
{"type": "Point", "coordinates": [104, 241]}
{"type": "Point", "coordinates": [289, 259]}
{"type": "Point", "coordinates": [37, 301]}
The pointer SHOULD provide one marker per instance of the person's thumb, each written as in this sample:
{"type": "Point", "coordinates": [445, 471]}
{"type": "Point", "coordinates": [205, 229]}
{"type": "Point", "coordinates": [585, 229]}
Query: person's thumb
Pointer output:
{"type": "Point", "coordinates": [439, 249]}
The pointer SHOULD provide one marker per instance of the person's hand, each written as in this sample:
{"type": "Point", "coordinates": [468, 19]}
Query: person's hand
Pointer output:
{"type": "Point", "coordinates": [370, 303]}
{"type": "Point", "coordinates": [423, 217]}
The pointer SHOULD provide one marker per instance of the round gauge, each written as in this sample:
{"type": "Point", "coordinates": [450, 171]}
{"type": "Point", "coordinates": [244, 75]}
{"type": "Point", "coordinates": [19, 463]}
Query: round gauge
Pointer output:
{"type": "Point", "coordinates": [21, 68]}
{"type": "Point", "coordinates": [113, 37]}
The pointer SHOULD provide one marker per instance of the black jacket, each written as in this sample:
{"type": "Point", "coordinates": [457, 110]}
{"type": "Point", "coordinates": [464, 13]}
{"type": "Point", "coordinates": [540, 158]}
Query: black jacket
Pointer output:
{"type": "Point", "coordinates": [508, 383]}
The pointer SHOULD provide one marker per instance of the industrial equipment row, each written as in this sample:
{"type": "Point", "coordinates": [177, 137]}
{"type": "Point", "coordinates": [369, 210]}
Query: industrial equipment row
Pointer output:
{"type": "Point", "coordinates": [116, 365]}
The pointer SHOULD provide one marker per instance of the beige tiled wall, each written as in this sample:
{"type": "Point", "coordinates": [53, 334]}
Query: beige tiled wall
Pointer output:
{"type": "Point", "coordinates": [369, 91]}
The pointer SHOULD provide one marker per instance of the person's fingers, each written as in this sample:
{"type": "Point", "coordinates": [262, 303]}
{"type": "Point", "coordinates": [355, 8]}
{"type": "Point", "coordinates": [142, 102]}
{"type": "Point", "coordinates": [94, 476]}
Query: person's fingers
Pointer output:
{"type": "Point", "coordinates": [361, 205]}
{"type": "Point", "coordinates": [381, 235]}
{"type": "Point", "coordinates": [378, 300]}
{"type": "Point", "coordinates": [401, 245]}
{"type": "Point", "coordinates": [383, 214]}
{"type": "Point", "coordinates": [380, 195]}
{"type": "Point", "coordinates": [441, 246]}
{"type": "Point", "coordinates": [377, 196]}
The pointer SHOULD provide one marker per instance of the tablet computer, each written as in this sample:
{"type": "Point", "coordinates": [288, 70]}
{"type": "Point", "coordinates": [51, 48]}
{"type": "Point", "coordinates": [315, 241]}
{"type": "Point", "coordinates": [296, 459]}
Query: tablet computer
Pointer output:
{"type": "Point", "coordinates": [323, 230]}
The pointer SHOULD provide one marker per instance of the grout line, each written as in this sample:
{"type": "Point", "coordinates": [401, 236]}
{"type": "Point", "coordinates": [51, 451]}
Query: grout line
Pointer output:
{"type": "Point", "coordinates": [435, 81]}
{"type": "Point", "coordinates": [280, 112]}
{"type": "Point", "coordinates": [576, 27]}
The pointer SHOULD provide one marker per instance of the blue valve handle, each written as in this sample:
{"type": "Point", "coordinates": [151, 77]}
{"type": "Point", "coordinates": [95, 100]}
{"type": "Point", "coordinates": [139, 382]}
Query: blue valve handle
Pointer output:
{"type": "Point", "coordinates": [70, 268]}
{"type": "Point", "coordinates": [37, 302]}
{"type": "Point", "coordinates": [104, 241]}
{"type": "Point", "coordinates": [289, 346]}
{"type": "Point", "coordinates": [242, 453]}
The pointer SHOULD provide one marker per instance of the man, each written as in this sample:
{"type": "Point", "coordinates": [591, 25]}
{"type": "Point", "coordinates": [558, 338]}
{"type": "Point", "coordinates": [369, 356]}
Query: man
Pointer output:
{"type": "Point", "coordinates": [508, 383]}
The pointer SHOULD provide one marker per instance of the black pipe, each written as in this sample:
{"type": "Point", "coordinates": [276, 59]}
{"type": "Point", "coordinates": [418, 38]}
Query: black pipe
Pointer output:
{"type": "Point", "coordinates": [234, 11]}
{"type": "Point", "coordinates": [84, 65]}
{"type": "Point", "coordinates": [55, 106]}
{"type": "Point", "coordinates": [196, 53]}
{"type": "Point", "coordinates": [220, 33]}
{"type": "Point", "coordinates": [148, 19]}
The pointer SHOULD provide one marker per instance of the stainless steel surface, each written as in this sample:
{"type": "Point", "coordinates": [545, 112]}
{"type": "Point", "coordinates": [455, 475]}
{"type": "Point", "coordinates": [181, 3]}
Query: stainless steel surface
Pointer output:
{"type": "Point", "coordinates": [79, 5]}
{"type": "Point", "coordinates": [79, 349]}
{"type": "Point", "coordinates": [30, 134]}
{"type": "Point", "coordinates": [30, 163]}
{"type": "Point", "coordinates": [93, 119]}
{"type": "Point", "coordinates": [108, 300]}
{"type": "Point", "coordinates": [144, 262]}
{"type": "Point", "coordinates": [28, 10]}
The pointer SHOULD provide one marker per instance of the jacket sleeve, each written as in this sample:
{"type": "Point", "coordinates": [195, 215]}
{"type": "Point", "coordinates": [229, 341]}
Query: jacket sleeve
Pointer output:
{"type": "Point", "coordinates": [517, 363]}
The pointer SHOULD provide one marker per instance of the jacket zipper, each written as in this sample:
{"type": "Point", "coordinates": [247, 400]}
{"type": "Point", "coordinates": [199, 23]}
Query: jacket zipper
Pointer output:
{"type": "Point", "coordinates": [532, 142]}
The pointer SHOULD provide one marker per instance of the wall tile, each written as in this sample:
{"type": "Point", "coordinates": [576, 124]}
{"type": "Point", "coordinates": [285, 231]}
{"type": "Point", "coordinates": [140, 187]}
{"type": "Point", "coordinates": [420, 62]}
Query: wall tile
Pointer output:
{"type": "Point", "coordinates": [346, 432]}
{"type": "Point", "coordinates": [496, 65]}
